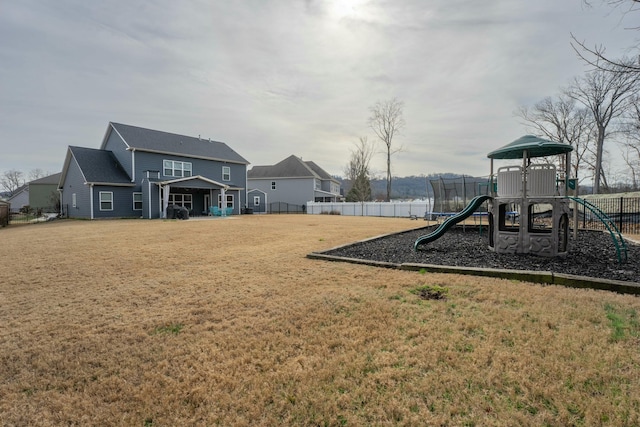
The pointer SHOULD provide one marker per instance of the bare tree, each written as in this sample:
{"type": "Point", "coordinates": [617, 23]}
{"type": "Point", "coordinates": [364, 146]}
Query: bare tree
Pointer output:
{"type": "Point", "coordinates": [358, 173]}
{"type": "Point", "coordinates": [561, 120]}
{"type": "Point", "coordinates": [596, 56]}
{"type": "Point", "coordinates": [11, 180]}
{"type": "Point", "coordinates": [36, 174]}
{"type": "Point", "coordinates": [630, 130]}
{"type": "Point", "coordinates": [386, 121]}
{"type": "Point", "coordinates": [606, 95]}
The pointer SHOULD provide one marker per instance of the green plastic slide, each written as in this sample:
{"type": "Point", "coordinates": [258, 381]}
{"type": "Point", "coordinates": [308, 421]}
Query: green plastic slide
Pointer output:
{"type": "Point", "coordinates": [474, 204]}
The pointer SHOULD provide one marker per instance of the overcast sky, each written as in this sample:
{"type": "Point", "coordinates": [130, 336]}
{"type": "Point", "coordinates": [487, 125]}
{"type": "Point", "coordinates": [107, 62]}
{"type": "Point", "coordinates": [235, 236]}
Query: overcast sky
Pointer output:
{"type": "Point", "coordinates": [273, 78]}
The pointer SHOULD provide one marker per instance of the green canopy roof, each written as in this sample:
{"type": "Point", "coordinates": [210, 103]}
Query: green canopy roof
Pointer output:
{"type": "Point", "coordinates": [535, 147]}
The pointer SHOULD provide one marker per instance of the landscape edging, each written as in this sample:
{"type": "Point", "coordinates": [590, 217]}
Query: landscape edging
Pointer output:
{"type": "Point", "coordinates": [542, 277]}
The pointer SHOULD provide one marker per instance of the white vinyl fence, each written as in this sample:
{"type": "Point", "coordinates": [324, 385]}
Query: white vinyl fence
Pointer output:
{"type": "Point", "coordinates": [388, 209]}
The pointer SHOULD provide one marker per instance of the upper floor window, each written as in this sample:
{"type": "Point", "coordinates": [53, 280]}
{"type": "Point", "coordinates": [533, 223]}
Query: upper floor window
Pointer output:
{"type": "Point", "coordinates": [318, 184]}
{"type": "Point", "coordinates": [226, 173]}
{"type": "Point", "coordinates": [176, 168]}
{"type": "Point", "coordinates": [273, 185]}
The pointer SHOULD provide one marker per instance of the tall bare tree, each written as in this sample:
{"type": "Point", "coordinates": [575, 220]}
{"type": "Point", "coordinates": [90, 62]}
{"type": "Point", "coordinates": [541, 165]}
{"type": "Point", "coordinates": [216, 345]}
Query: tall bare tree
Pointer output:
{"type": "Point", "coordinates": [606, 95]}
{"type": "Point", "coordinates": [11, 180]}
{"type": "Point", "coordinates": [386, 121]}
{"type": "Point", "coordinates": [597, 56]}
{"type": "Point", "coordinates": [631, 141]}
{"type": "Point", "coordinates": [561, 120]}
{"type": "Point", "coordinates": [358, 173]}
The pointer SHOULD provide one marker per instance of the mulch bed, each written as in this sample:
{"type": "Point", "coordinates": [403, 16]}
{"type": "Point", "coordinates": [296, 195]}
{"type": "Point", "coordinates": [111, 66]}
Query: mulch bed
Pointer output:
{"type": "Point", "coordinates": [593, 254]}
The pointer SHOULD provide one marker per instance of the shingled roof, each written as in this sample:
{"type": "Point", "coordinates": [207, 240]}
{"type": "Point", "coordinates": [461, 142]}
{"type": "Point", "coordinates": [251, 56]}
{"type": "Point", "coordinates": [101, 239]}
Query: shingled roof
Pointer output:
{"type": "Point", "coordinates": [155, 141]}
{"type": "Point", "coordinates": [97, 166]}
{"type": "Point", "coordinates": [291, 167]}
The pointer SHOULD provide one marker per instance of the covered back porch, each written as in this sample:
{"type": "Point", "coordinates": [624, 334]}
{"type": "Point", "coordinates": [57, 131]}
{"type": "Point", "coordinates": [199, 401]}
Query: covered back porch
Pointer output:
{"type": "Point", "coordinates": [198, 194]}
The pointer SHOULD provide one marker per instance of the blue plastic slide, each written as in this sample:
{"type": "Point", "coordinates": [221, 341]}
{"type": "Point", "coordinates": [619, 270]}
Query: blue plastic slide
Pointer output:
{"type": "Point", "coordinates": [474, 204]}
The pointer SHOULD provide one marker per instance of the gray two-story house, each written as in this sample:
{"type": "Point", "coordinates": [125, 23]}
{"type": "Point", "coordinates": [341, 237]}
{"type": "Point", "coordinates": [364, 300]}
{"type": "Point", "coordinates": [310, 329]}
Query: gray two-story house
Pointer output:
{"type": "Point", "coordinates": [292, 181]}
{"type": "Point", "coordinates": [138, 172]}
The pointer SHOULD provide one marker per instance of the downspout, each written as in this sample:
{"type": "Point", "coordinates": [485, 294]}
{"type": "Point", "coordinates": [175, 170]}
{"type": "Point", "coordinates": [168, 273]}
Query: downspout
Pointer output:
{"type": "Point", "coordinates": [133, 165]}
{"type": "Point", "coordinates": [92, 201]}
{"type": "Point", "coordinates": [149, 192]}
{"type": "Point", "coordinates": [61, 213]}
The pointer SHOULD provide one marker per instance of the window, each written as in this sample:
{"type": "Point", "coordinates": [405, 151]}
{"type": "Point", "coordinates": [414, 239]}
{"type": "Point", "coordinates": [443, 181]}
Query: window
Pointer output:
{"type": "Point", "coordinates": [184, 200]}
{"type": "Point", "coordinates": [176, 168]}
{"type": "Point", "coordinates": [229, 198]}
{"type": "Point", "coordinates": [540, 218]}
{"type": "Point", "coordinates": [318, 184]}
{"type": "Point", "coordinates": [509, 217]}
{"type": "Point", "coordinates": [74, 200]}
{"type": "Point", "coordinates": [256, 200]}
{"type": "Point", "coordinates": [106, 201]}
{"type": "Point", "coordinates": [226, 173]}
{"type": "Point", "coordinates": [273, 185]}
{"type": "Point", "coordinates": [137, 201]}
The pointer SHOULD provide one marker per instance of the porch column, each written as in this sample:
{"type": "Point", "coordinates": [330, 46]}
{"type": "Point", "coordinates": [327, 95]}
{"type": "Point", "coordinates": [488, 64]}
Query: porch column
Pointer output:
{"type": "Point", "coordinates": [165, 199]}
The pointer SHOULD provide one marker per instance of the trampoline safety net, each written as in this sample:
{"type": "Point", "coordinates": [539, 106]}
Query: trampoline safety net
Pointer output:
{"type": "Point", "coordinates": [453, 194]}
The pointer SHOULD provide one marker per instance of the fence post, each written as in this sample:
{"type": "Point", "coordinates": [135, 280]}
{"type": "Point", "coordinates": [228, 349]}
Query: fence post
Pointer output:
{"type": "Point", "coordinates": [621, 213]}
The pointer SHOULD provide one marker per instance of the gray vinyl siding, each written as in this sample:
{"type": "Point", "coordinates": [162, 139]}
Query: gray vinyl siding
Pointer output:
{"type": "Point", "coordinates": [262, 206]}
{"type": "Point", "coordinates": [119, 149]}
{"type": "Point", "coordinates": [74, 183]}
{"type": "Point", "coordinates": [207, 168]}
{"type": "Point", "coordinates": [150, 199]}
{"type": "Point", "coordinates": [297, 191]}
{"type": "Point", "coordinates": [122, 202]}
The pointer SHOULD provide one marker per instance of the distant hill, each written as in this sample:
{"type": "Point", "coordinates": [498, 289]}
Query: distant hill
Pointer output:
{"type": "Point", "coordinates": [408, 187]}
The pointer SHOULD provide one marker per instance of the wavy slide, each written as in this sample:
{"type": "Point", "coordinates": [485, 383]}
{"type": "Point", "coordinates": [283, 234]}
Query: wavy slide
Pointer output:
{"type": "Point", "coordinates": [451, 221]}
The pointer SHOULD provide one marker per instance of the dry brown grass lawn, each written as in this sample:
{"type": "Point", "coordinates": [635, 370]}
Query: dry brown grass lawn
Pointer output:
{"type": "Point", "coordinates": [225, 322]}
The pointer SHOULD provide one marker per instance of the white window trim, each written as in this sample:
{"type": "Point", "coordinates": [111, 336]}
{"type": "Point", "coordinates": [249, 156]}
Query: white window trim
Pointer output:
{"type": "Point", "coordinates": [177, 166]}
{"type": "Point", "coordinates": [226, 171]}
{"type": "Point", "coordinates": [100, 201]}
{"type": "Point", "coordinates": [74, 200]}
{"type": "Point", "coordinates": [273, 185]}
{"type": "Point", "coordinates": [230, 199]}
{"type": "Point", "coordinates": [139, 201]}
{"type": "Point", "coordinates": [256, 200]}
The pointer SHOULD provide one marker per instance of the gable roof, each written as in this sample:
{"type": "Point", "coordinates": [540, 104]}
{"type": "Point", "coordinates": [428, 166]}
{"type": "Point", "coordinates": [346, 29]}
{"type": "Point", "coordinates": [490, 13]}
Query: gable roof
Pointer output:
{"type": "Point", "coordinates": [141, 139]}
{"type": "Point", "coordinates": [96, 166]}
{"type": "Point", "coordinates": [291, 167]}
{"type": "Point", "coordinates": [51, 179]}
{"type": "Point", "coordinates": [24, 188]}
{"type": "Point", "coordinates": [319, 171]}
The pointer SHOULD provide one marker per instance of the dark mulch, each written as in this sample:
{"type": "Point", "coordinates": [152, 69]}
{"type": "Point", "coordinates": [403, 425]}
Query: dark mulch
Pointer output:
{"type": "Point", "coordinates": [593, 254]}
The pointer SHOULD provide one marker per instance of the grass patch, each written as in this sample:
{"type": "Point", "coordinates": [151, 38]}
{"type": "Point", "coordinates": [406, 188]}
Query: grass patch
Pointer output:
{"type": "Point", "coordinates": [173, 329]}
{"type": "Point", "coordinates": [624, 323]}
{"type": "Point", "coordinates": [435, 292]}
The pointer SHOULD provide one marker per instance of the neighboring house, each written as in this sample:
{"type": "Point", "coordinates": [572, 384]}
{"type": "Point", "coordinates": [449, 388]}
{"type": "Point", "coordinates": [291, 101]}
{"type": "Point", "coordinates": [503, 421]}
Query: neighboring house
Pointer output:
{"type": "Point", "coordinates": [20, 198]}
{"type": "Point", "coordinates": [292, 181]}
{"type": "Point", "coordinates": [43, 193]}
{"type": "Point", "coordinates": [138, 172]}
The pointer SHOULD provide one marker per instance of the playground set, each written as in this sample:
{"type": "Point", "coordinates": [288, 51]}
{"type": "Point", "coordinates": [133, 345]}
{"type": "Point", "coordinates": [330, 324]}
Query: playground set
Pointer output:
{"type": "Point", "coordinates": [528, 205]}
